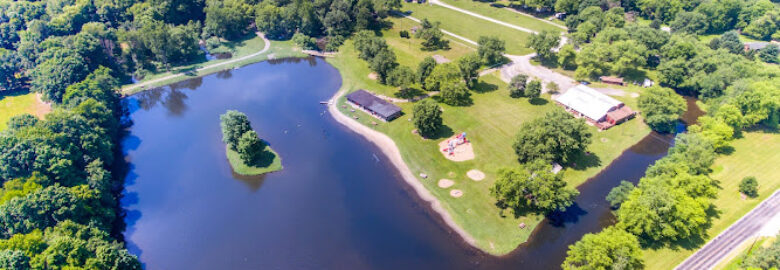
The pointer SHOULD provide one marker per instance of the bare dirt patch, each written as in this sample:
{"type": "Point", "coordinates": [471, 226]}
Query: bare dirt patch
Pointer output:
{"type": "Point", "coordinates": [456, 193]}
{"type": "Point", "coordinates": [41, 107]}
{"type": "Point", "coordinates": [446, 183]}
{"type": "Point", "coordinates": [440, 59]}
{"type": "Point", "coordinates": [373, 76]}
{"type": "Point", "coordinates": [476, 175]}
{"type": "Point", "coordinates": [461, 152]}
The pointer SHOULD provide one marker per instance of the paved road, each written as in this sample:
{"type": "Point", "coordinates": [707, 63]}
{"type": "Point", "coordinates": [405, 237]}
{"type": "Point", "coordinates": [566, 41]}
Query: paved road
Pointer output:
{"type": "Point", "coordinates": [144, 84]}
{"type": "Point", "coordinates": [723, 244]}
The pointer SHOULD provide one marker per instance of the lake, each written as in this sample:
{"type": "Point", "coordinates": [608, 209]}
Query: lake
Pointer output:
{"type": "Point", "coordinates": [336, 205]}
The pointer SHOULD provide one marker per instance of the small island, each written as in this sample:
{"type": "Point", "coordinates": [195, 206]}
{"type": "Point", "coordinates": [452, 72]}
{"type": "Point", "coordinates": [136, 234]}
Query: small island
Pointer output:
{"type": "Point", "coordinates": [247, 154]}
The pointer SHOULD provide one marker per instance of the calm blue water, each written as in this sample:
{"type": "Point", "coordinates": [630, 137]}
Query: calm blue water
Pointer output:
{"type": "Point", "coordinates": [334, 206]}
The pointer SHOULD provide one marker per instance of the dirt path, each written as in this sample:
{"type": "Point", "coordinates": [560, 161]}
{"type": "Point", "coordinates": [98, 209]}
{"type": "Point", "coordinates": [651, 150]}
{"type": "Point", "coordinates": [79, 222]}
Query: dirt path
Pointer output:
{"type": "Point", "coordinates": [144, 84]}
{"type": "Point", "coordinates": [389, 148]}
{"type": "Point", "coordinates": [522, 64]}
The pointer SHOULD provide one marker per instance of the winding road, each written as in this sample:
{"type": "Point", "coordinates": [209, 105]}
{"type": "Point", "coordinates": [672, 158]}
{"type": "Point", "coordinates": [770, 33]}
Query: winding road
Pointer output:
{"type": "Point", "coordinates": [746, 227]}
{"type": "Point", "coordinates": [231, 61]}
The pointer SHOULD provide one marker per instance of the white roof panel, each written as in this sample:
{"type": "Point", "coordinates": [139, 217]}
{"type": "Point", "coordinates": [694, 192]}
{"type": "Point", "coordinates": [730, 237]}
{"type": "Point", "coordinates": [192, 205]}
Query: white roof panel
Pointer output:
{"type": "Point", "coordinates": [587, 101]}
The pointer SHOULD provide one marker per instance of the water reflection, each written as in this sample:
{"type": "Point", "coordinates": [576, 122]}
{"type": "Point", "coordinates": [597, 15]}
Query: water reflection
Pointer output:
{"type": "Point", "coordinates": [311, 60]}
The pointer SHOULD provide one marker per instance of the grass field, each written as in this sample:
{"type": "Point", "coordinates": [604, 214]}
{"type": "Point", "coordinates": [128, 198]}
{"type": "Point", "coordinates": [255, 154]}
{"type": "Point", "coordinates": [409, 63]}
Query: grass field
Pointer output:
{"type": "Point", "coordinates": [745, 250]}
{"type": "Point", "coordinates": [471, 27]}
{"type": "Point", "coordinates": [19, 103]}
{"type": "Point", "coordinates": [491, 123]}
{"type": "Point", "coordinates": [279, 49]}
{"type": "Point", "coordinates": [270, 162]}
{"type": "Point", "coordinates": [505, 15]}
{"type": "Point", "coordinates": [757, 154]}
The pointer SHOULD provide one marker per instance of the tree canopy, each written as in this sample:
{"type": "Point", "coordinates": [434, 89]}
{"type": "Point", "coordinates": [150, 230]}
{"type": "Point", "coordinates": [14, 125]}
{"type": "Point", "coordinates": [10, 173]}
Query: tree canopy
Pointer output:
{"type": "Point", "coordinates": [611, 248]}
{"type": "Point", "coordinates": [533, 186]}
{"type": "Point", "coordinates": [426, 117]}
{"type": "Point", "coordinates": [557, 136]}
{"type": "Point", "coordinates": [661, 108]}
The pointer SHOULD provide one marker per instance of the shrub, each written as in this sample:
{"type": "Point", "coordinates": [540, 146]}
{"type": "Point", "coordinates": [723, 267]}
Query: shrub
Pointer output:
{"type": "Point", "coordinates": [749, 186]}
{"type": "Point", "coordinates": [404, 34]}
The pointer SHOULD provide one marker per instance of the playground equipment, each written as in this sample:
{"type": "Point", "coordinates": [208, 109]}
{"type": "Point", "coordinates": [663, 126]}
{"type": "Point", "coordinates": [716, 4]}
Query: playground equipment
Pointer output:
{"type": "Point", "coordinates": [455, 142]}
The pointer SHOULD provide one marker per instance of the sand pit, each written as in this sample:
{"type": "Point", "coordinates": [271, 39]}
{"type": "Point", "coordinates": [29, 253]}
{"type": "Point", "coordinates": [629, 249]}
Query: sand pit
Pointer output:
{"type": "Point", "coordinates": [476, 175]}
{"type": "Point", "coordinates": [462, 152]}
{"type": "Point", "coordinates": [445, 183]}
{"type": "Point", "coordinates": [456, 193]}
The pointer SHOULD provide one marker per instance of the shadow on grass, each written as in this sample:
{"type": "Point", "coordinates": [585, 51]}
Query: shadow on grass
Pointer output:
{"type": "Point", "coordinates": [409, 93]}
{"type": "Point", "coordinates": [483, 87]}
{"type": "Point", "coordinates": [264, 159]}
{"type": "Point", "coordinates": [635, 75]}
{"type": "Point", "coordinates": [583, 161]}
{"type": "Point", "coordinates": [13, 93]}
{"type": "Point", "coordinates": [538, 101]}
{"type": "Point", "coordinates": [442, 132]}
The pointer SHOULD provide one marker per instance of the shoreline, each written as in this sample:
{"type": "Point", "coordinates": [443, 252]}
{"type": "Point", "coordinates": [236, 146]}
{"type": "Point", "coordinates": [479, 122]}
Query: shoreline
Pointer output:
{"type": "Point", "coordinates": [390, 149]}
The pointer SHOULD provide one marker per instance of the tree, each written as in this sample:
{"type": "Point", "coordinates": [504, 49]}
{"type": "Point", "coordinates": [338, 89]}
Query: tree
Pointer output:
{"type": "Point", "coordinates": [749, 186]}
{"type": "Point", "coordinates": [619, 194]}
{"type": "Point", "coordinates": [468, 65]}
{"type": "Point", "coordinates": [729, 41]}
{"type": "Point", "coordinates": [442, 74]}
{"type": "Point", "coordinates": [250, 147]}
{"type": "Point", "coordinates": [401, 76]}
{"type": "Point", "coordinates": [569, 7]}
{"type": "Point", "coordinates": [764, 258]}
{"type": "Point", "coordinates": [543, 43]}
{"type": "Point", "coordinates": [722, 15]}
{"type": "Point", "coordinates": [769, 53]}
{"type": "Point", "coordinates": [424, 69]}
{"type": "Point", "coordinates": [234, 124]}
{"type": "Point", "coordinates": [455, 94]}
{"type": "Point", "coordinates": [662, 208]}
{"type": "Point", "coordinates": [534, 89]}
{"type": "Point", "coordinates": [383, 63]}
{"type": "Point", "coordinates": [661, 108]}
{"type": "Point", "coordinates": [763, 27]}
{"type": "Point", "coordinates": [611, 248]}
{"type": "Point", "coordinates": [714, 130]}
{"type": "Point", "coordinates": [557, 136]}
{"type": "Point", "coordinates": [10, 67]}
{"type": "Point", "coordinates": [368, 44]}
{"type": "Point", "coordinates": [491, 49]}
{"type": "Point", "coordinates": [592, 61]}
{"type": "Point", "coordinates": [533, 186]}
{"type": "Point", "coordinates": [689, 23]}
{"type": "Point", "coordinates": [427, 117]}
{"type": "Point", "coordinates": [552, 87]}
{"type": "Point", "coordinates": [567, 57]}
{"type": "Point", "coordinates": [433, 38]}
{"type": "Point", "coordinates": [517, 85]}
{"type": "Point", "coordinates": [52, 76]}
{"type": "Point", "coordinates": [227, 18]}
{"type": "Point", "coordinates": [274, 22]}
{"type": "Point", "coordinates": [304, 42]}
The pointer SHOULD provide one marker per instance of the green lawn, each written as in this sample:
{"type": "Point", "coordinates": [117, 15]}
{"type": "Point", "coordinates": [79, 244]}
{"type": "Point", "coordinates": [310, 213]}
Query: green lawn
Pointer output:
{"type": "Point", "coordinates": [269, 162]}
{"type": "Point", "coordinates": [504, 15]}
{"type": "Point", "coordinates": [278, 49]}
{"type": "Point", "coordinates": [491, 123]}
{"type": "Point", "coordinates": [755, 154]}
{"type": "Point", "coordinates": [19, 103]}
{"type": "Point", "coordinates": [471, 27]}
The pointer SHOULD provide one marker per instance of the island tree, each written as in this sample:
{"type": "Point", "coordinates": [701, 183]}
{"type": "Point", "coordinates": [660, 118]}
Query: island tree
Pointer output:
{"type": "Point", "coordinates": [557, 136]}
{"type": "Point", "coordinates": [533, 186]}
{"type": "Point", "coordinates": [234, 124]}
{"type": "Point", "coordinates": [611, 248]}
{"type": "Point", "coordinates": [250, 147]}
{"type": "Point", "coordinates": [661, 108]}
{"type": "Point", "coordinates": [426, 117]}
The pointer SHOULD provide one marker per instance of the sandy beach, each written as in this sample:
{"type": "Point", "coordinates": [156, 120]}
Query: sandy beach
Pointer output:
{"type": "Point", "coordinates": [390, 150]}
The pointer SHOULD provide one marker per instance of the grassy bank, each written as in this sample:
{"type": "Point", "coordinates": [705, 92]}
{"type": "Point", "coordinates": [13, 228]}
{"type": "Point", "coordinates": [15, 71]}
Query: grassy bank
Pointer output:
{"type": "Point", "coordinates": [278, 49]}
{"type": "Point", "coordinates": [755, 154]}
{"type": "Point", "coordinates": [269, 162]}
{"type": "Point", "coordinates": [501, 13]}
{"type": "Point", "coordinates": [491, 123]}
{"type": "Point", "coordinates": [471, 27]}
{"type": "Point", "coordinates": [16, 103]}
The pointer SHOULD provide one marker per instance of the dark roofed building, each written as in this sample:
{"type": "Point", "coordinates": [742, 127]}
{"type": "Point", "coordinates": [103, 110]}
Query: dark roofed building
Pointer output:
{"type": "Point", "coordinates": [378, 107]}
{"type": "Point", "coordinates": [612, 80]}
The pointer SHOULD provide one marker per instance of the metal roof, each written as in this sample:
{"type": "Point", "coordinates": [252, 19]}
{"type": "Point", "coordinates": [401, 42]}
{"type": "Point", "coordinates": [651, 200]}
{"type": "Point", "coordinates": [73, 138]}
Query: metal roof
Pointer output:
{"type": "Point", "coordinates": [373, 103]}
{"type": "Point", "coordinates": [587, 101]}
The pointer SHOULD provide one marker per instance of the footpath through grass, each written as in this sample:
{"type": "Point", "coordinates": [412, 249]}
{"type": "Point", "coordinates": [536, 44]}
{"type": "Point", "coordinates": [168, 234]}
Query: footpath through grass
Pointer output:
{"type": "Point", "coordinates": [18, 103]}
{"type": "Point", "coordinates": [502, 13]}
{"type": "Point", "coordinates": [471, 27]}
{"type": "Point", "coordinates": [491, 124]}
{"type": "Point", "coordinates": [756, 154]}
{"type": "Point", "coordinates": [239, 49]}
